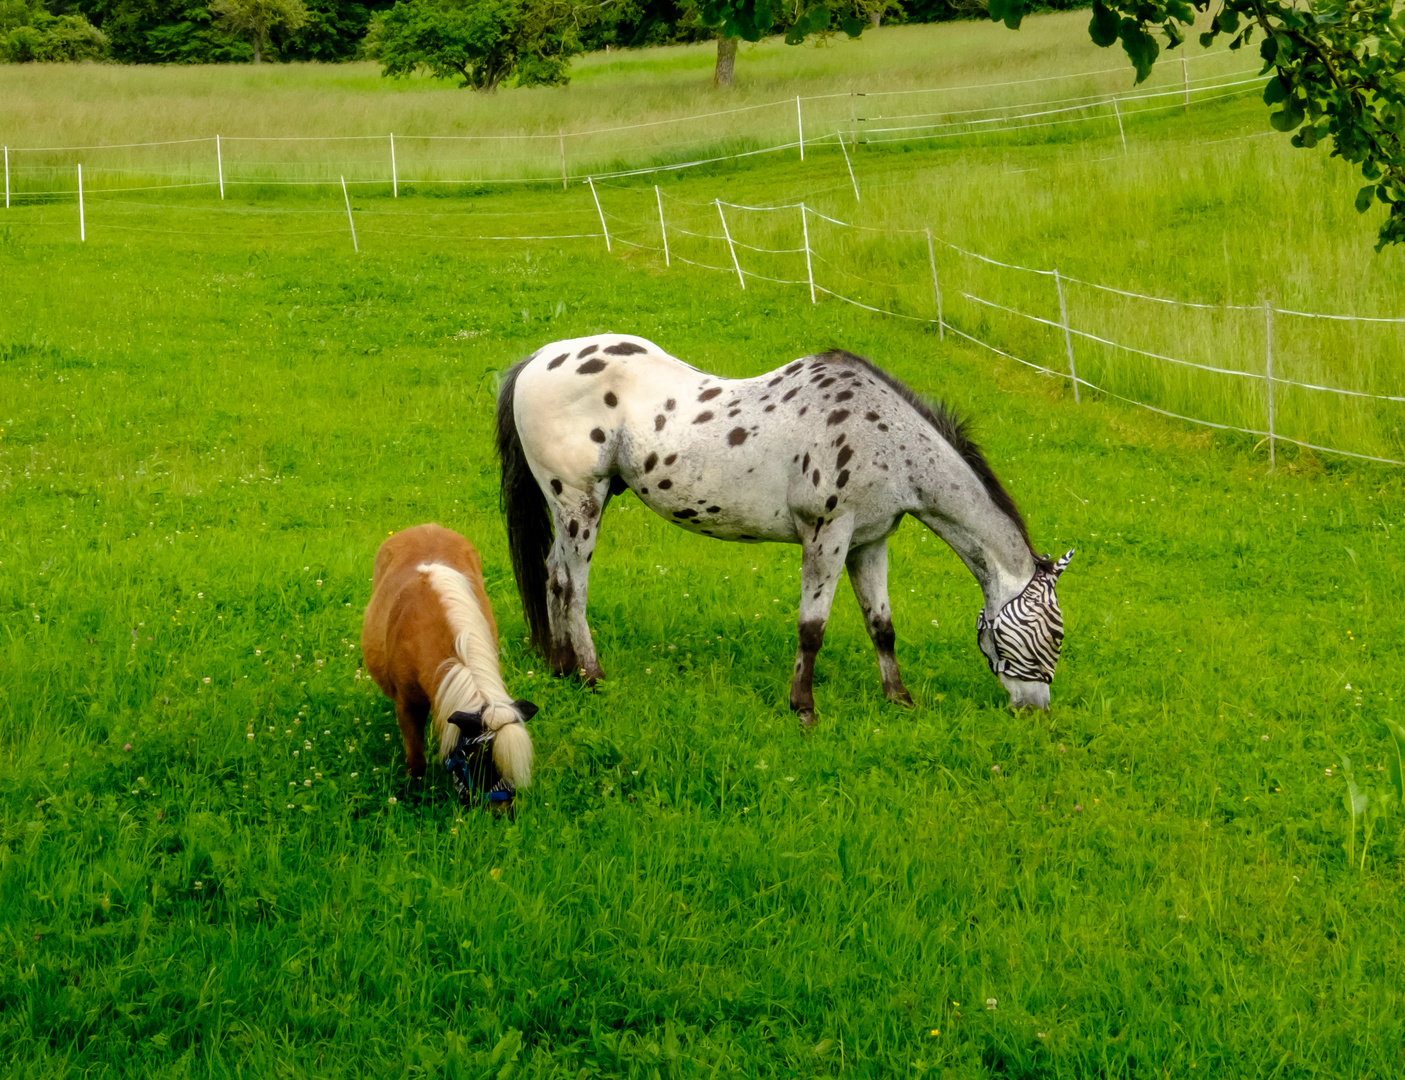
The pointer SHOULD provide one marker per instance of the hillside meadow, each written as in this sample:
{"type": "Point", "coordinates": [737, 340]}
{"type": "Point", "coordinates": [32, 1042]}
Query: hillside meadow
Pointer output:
{"type": "Point", "coordinates": [212, 413]}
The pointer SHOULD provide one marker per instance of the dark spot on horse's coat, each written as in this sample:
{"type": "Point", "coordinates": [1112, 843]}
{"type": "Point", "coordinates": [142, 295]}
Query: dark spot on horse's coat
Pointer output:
{"type": "Point", "coordinates": [839, 441]}
{"type": "Point", "coordinates": [829, 381]}
{"type": "Point", "coordinates": [660, 421]}
{"type": "Point", "coordinates": [590, 556]}
{"type": "Point", "coordinates": [596, 435]}
{"type": "Point", "coordinates": [556, 486]}
{"type": "Point", "coordinates": [791, 393]}
{"type": "Point", "coordinates": [611, 400]}
{"type": "Point", "coordinates": [844, 456]}
{"type": "Point", "coordinates": [803, 410]}
{"type": "Point", "coordinates": [624, 348]}
{"type": "Point", "coordinates": [818, 378]}
{"type": "Point", "coordinates": [794, 367]}
{"type": "Point", "coordinates": [842, 479]}
{"type": "Point", "coordinates": [703, 417]}
{"type": "Point", "coordinates": [670, 404]}
{"type": "Point", "coordinates": [744, 536]}
{"type": "Point", "coordinates": [777, 379]}
{"type": "Point", "coordinates": [805, 465]}
{"type": "Point", "coordinates": [707, 532]}
{"type": "Point", "coordinates": [733, 413]}
{"type": "Point", "coordinates": [768, 408]}
{"type": "Point", "coordinates": [670, 459]}
{"type": "Point", "coordinates": [557, 362]}
{"type": "Point", "coordinates": [573, 528]}
{"type": "Point", "coordinates": [843, 395]}
{"type": "Point", "coordinates": [795, 459]}
{"type": "Point", "coordinates": [831, 502]}
{"type": "Point", "coordinates": [689, 513]}
{"type": "Point", "coordinates": [664, 485]}
{"type": "Point", "coordinates": [838, 416]}
{"type": "Point", "coordinates": [708, 395]}
{"type": "Point", "coordinates": [586, 351]}
{"type": "Point", "coordinates": [643, 491]}
{"type": "Point", "coordinates": [590, 367]}
{"type": "Point", "coordinates": [714, 509]}
{"type": "Point", "coordinates": [882, 427]}
{"type": "Point", "coordinates": [815, 478]}
{"type": "Point", "coordinates": [736, 436]}
{"type": "Point", "coordinates": [763, 397]}
{"type": "Point", "coordinates": [585, 535]}
{"type": "Point", "coordinates": [819, 524]}
{"type": "Point", "coordinates": [870, 416]}
{"type": "Point", "coordinates": [650, 462]}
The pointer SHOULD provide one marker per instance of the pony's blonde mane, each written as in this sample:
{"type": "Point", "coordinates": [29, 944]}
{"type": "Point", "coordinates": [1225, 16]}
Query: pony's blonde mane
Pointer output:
{"type": "Point", "coordinates": [471, 679]}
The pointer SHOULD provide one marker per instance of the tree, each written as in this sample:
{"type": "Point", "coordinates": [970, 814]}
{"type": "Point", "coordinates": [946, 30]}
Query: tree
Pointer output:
{"type": "Point", "coordinates": [751, 20]}
{"type": "Point", "coordinates": [254, 19]}
{"type": "Point", "coordinates": [481, 42]}
{"type": "Point", "coordinates": [1338, 73]}
{"type": "Point", "coordinates": [30, 34]}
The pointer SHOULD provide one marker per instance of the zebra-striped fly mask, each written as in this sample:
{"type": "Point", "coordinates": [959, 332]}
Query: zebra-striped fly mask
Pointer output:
{"type": "Point", "coordinates": [1023, 640]}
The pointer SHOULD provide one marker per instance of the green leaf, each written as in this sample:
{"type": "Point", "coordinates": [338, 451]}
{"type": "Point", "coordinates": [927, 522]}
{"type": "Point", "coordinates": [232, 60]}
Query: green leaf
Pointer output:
{"type": "Point", "coordinates": [1289, 117]}
{"type": "Point", "coordinates": [1207, 39]}
{"type": "Point", "coordinates": [1140, 46]}
{"type": "Point", "coordinates": [1010, 12]}
{"type": "Point", "coordinates": [852, 26]}
{"type": "Point", "coordinates": [1275, 90]}
{"type": "Point", "coordinates": [1395, 757]}
{"type": "Point", "coordinates": [1103, 26]}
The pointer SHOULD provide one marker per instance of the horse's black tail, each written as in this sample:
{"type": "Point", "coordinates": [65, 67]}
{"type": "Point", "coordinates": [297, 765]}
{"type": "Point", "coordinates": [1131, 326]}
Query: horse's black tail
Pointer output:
{"type": "Point", "coordinates": [529, 531]}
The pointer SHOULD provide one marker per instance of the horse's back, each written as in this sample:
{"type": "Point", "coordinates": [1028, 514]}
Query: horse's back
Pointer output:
{"type": "Point", "coordinates": [406, 633]}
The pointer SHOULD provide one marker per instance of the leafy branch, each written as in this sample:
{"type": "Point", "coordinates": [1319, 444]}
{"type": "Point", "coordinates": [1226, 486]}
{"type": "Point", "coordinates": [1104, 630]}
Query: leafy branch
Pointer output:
{"type": "Point", "coordinates": [1338, 73]}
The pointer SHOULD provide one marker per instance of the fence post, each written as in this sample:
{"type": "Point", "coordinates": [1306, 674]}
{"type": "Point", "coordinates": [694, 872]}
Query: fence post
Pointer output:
{"type": "Point", "coordinates": [349, 219]}
{"type": "Point", "coordinates": [730, 246]}
{"type": "Point", "coordinates": [599, 210]}
{"type": "Point", "coordinates": [1068, 338]}
{"type": "Point", "coordinates": [936, 287]}
{"type": "Point", "coordinates": [663, 229]}
{"type": "Point", "coordinates": [394, 172]}
{"type": "Point", "coordinates": [1117, 111]}
{"type": "Point", "coordinates": [82, 226]}
{"type": "Point", "coordinates": [1185, 81]}
{"type": "Point", "coordinates": [800, 126]}
{"type": "Point", "coordinates": [1268, 374]}
{"type": "Point", "coordinates": [561, 138]}
{"type": "Point", "coordinates": [7, 178]}
{"type": "Point", "coordinates": [848, 165]}
{"type": "Point", "coordinates": [809, 269]}
{"type": "Point", "coordinates": [219, 164]}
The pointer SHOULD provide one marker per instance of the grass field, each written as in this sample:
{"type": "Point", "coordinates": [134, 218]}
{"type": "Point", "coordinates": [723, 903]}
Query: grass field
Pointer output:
{"type": "Point", "coordinates": [213, 866]}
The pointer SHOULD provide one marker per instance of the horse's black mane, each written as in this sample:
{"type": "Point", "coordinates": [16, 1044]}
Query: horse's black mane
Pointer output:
{"type": "Point", "coordinates": [956, 430]}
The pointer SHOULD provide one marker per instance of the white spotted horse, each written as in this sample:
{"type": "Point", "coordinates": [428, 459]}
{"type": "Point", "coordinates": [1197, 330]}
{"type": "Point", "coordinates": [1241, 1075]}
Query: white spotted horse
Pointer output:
{"type": "Point", "coordinates": [828, 452]}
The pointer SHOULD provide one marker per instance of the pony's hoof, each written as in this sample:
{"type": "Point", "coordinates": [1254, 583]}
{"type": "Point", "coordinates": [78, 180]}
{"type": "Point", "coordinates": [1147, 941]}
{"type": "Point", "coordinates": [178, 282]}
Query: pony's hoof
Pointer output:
{"type": "Point", "coordinates": [903, 698]}
{"type": "Point", "coordinates": [807, 719]}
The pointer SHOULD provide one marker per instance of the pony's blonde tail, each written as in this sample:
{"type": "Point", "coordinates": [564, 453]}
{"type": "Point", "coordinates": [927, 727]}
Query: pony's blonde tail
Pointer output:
{"type": "Point", "coordinates": [472, 679]}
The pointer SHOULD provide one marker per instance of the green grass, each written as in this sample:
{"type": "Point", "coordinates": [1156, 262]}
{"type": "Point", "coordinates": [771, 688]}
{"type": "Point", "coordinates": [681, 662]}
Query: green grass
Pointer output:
{"type": "Point", "coordinates": [211, 416]}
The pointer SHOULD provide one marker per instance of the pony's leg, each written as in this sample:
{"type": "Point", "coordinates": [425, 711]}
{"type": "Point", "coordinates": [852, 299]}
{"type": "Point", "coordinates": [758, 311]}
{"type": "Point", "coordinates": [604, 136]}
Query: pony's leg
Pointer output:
{"type": "Point", "coordinates": [411, 719]}
{"type": "Point", "coordinates": [868, 574]}
{"type": "Point", "coordinates": [822, 558]}
{"type": "Point", "coordinates": [577, 522]}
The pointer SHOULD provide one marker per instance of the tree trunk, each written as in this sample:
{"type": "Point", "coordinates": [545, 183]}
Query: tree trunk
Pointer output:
{"type": "Point", "coordinates": [258, 49]}
{"type": "Point", "coordinates": [726, 60]}
{"type": "Point", "coordinates": [876, 18]}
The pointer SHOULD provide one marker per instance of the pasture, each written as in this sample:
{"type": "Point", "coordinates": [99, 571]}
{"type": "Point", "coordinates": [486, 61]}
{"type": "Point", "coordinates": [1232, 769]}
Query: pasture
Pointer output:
{"type": "Point", "coordinates": [212, 864]}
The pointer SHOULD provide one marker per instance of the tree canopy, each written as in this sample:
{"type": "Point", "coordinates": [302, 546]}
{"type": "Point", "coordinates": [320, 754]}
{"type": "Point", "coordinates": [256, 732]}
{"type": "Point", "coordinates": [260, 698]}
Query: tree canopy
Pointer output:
{"type": "Point", "coordinates": [254, 20]}
{"type": "Point", "coordinates": [483, 43]}
{"type": "Point", "coordinates": [1338, 72]}
{"type": "Point", "coordinates": [751, 20]}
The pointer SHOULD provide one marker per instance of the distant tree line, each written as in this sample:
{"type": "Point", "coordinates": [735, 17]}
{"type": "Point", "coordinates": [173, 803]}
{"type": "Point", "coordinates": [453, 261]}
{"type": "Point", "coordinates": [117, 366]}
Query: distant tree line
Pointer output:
{"type": "Point", "coordinates": [242, 31]}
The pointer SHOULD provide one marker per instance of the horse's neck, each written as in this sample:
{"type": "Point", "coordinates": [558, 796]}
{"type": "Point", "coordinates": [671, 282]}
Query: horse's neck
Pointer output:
{"type": "Point", "coordinates": [959, 510]}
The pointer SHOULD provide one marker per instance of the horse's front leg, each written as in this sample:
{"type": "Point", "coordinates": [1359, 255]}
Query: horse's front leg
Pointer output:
{"type": "Point", "coordinates": [577, 520]}
{"type": "Point", "coordinates": [868, 574]}
{"type": "Point", "coordinates": [824, 545]}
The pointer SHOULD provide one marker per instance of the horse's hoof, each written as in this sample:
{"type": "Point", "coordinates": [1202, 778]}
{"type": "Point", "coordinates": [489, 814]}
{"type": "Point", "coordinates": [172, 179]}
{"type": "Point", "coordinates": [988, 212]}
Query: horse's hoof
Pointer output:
{"type": "Point", "coordinates": [807, 718]}
{"type": "Point", "coordinates": [903, 698]}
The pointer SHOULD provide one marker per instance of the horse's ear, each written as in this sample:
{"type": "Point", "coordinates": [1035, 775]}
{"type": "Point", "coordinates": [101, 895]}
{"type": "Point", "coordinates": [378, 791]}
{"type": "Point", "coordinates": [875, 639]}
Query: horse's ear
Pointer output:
{"type": "Point", "coordinates": [1062, 564]}
{"type": "Point", "coordinates": [470, 724]}
{"type": "Point", "coordinates": [525, 709]}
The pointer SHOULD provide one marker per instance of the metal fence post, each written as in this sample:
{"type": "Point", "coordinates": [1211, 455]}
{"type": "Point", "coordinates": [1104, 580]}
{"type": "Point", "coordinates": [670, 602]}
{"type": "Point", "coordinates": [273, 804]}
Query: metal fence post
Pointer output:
{"type": "Point", "coordinates": [82, 226]}
{"type": "Point", "coordinates": [839, 135]}
{"type": "Point", "coordinates": [1068, 338]}
{"type": "Point", "coordinates": [349, 219]}
{"type": "Point", "coordinates": [663, 229]}
{"type": "Point", "coordinates": [1117, 111]}
{"type": "Point", "coordinates": [730, 246]}
{"type": "Point", "coordinates": [936, 286]}
{"type": "Point", "coordinates": [1268, 375]}
{"type": "Point", "coordinates": [394, 172]}
{"type": "Point", "coordinates": [809, 268]}
{"type": "Point", "coordinates": [219, 164]}
{"type": "Point", "coordinates": [601, 211]}
{"type": "Point", "coordinates": [800, 126]}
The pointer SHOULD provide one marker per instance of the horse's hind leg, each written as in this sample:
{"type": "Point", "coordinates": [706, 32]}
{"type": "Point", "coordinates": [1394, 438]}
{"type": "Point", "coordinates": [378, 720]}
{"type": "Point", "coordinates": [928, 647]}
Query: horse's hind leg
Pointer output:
{"type": "Point", "coordinates": [577, 521]}
{"type": "Point", "coordinates": [411, 718]}
{"type": "Point", "coordinates": [822, 559]}
{"type": "Point", "coordinates": [868, 574]}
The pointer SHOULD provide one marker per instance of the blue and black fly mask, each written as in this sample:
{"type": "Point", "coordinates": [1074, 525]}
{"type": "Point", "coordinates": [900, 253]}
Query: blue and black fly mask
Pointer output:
{"type": "Point", "coordinates": [471, 764]}
{"type": "Point", "coordinates": [1023, 641]}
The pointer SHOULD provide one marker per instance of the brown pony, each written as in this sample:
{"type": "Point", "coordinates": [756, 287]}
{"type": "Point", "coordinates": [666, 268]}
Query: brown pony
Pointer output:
{"type": "Point", "coordinates": [430, 642]}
